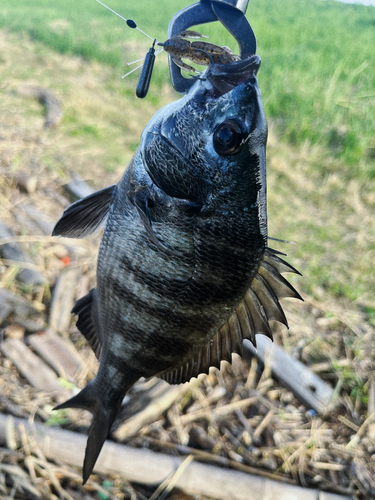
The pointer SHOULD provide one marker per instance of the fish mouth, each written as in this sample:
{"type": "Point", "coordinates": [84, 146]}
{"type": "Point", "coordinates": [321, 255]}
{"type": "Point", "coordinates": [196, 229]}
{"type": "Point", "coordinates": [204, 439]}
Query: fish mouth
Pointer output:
{"type": "Point", "coordinates": [225, 77]}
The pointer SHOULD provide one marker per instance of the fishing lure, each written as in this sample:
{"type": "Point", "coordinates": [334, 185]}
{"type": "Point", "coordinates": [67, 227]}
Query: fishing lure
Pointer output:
{"type": "Point", "coordinates": [199, 52]}
{"type": "Point", "coordinates": [148, 64]}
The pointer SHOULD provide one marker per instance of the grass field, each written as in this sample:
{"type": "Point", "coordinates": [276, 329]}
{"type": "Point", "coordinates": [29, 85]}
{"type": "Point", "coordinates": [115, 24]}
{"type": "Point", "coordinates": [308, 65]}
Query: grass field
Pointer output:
{"type": "Point", "coordinates": [317, 74]}
{"type": "Point", "coordinates": [318, 87]}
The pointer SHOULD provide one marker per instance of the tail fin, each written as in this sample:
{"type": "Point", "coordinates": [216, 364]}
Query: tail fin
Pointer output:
{"type": "Point", "coordinates": [102, 421]}
{"type": "Point", "coordinates": [100, 426]}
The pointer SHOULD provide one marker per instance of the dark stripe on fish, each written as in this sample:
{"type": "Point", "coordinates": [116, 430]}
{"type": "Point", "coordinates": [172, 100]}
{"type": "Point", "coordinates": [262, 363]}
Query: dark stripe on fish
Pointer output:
{"type": "Point", "coordinates": [189, 319]}
{"type": "Point", "coordinates": [162, 285]}
{"type": "Point", "coordinates": [147, 363]}
{"type": "Point", "coordinates": [126, 296]}
{"type": "Point", "coordinates": [200, 291]}
{"type": "Point", "coordinates": [169, 347]}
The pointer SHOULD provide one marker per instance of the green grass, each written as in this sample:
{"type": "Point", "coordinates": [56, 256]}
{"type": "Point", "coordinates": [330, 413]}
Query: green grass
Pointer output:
{"type": "Point", "coordinates": [317, 75]}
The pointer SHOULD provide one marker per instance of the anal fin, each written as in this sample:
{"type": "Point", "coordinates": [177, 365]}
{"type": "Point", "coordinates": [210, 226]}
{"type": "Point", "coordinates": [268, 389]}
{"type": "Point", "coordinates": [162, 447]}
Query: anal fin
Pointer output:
{"type": "Point", "coordinates": [86, 308]}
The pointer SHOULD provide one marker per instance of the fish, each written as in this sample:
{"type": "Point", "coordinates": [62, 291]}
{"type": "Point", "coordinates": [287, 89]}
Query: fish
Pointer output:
{"type": "Point", "coordinates": [184, 273]}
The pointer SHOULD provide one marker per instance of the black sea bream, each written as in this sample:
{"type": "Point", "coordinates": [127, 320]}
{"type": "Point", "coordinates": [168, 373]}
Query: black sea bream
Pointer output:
{"type": "Point", "coordinates": [184, 273]}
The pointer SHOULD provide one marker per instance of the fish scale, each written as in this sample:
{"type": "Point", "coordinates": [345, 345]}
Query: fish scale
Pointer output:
{"type": "Point", "coordinates": [183, 273]}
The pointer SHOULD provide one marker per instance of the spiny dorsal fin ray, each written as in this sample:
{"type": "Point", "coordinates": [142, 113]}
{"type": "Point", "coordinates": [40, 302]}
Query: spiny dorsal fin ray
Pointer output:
{"type": "Point", "coordinates": [258, 315]}
{"type": "Point", "coordinates": [85, 216]}
{"type": "Point", "coordinates": [277, 282]}
{"type": "Point", "coordinates": [272, 256]}
{"type": "Point", "coordinates": [269, 300]}
{"type": "Point", "coordinates": [235, 333]}
{"type": "Point", "coordinates": [248, 323]}
{"type": "Point", "coordinates": [252, 316]}
{"type": "Point", "coordinates": [226, 344]}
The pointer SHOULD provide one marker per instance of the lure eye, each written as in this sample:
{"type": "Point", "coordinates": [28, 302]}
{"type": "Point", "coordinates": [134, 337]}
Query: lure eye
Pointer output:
{"type": "Point", "coordinates": [228, 138]}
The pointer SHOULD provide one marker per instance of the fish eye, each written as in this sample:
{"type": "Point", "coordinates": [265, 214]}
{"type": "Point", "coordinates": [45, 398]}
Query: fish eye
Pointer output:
{"type": "Point", "coordinates": [228, 138]}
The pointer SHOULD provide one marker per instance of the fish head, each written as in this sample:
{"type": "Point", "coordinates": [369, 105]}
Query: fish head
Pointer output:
{"type": "Point", "coordinates": [209, 147]}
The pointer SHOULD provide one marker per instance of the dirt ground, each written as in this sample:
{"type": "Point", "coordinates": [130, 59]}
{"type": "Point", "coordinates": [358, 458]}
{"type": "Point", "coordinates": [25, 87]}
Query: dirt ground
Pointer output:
{"type": "Point", "coordinates": [332, 452]}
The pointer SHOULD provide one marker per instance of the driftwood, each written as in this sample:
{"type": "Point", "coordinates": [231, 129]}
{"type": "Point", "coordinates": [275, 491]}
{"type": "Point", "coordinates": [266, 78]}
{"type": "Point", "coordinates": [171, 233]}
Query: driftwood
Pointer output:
{"type": "Point", "coordinates": [306, 385]}
{"type": "Point", "coordinates": [77, 188]}
{"type": "Point", "coordinates": [14, 252]}
{"type": "Point", "coordinates": [45, 223]}
{"type": "Point", "coordinates": [42, 220]}
{"type": "Point", "coordinates": [150, 468]}
{"type": "Point", "coordinates": [20, 310]}
{"type": "Point", "coordinates": [63, 300]}
{"type": "Point", "coordinates": [154, 403]}
{"type": "Point", "coordinates": [35, 371]}
{"type": "Point", "coordinates": [59, 353]}
{"type": "Point", "coordinates": [53, 107]}
{"type": "Point", "coordinates": [26, 183]}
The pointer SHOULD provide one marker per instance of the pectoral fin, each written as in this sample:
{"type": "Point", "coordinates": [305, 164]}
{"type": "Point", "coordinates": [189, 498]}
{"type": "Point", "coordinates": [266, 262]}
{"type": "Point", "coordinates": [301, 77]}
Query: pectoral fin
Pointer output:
{"type": "Point", "coordinates": [84, 217]}
{"type": "Point", "coordinates": [252, 316]}
{"type": "Point", "coordinates": [139, 198]}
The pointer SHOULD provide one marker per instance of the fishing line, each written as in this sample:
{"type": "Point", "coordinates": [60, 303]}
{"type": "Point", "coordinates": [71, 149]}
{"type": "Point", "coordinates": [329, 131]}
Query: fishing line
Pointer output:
{"type": "Point", "coordinates": [132, 71]}
{"type": "Point", "coordinates": [282, 241]}
{"type": "Point", "coordinates": [149, 59]}
{"type": "Point", "coordinates": [142, 58]}
{"type": "Point", "coordinates": [132, 24]}
{"type": "Point", "coordinates": [140, 66]}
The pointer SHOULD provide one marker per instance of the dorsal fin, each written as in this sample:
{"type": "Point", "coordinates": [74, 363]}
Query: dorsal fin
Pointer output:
{"type": "Point", "coordinates": [86, 308]}
{"type": "Point", "coordinates": [84, 217]}
{"type": "Point", "coordinates": [252, 316]}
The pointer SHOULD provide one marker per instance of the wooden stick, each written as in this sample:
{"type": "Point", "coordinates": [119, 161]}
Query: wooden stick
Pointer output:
{"type": "Point", "coordinates": [13, 251]}
{"type": "Point", "coordinates": [227, 463]}
{"type": "Point", "coordinates": [23, 311]}
{"type": "Point", "coordinates": [348, 423]}
{"type": "Point", "coordinates": [168, 484]}
{"type": "Point", "coordinates": [59, 352]}
{"type": "Point", "coordinates": [220, 411]}
{"type": "Point", "coordinates": [36, 372]}
{"type": "Point", "coordinates": [26, 183]}
{"type": "Point", "coordinates": [355, 439]}
{"type": "Point", "coordinates": [77, 188]}
{"type": "Point", "coordinates": [147, 467]}
{"type": "Point", "coordinates": [307, 387]}
{"type": "Point", "coordinates": [63, 300]}
{"type": "Point", "coordinates": [152, 411]}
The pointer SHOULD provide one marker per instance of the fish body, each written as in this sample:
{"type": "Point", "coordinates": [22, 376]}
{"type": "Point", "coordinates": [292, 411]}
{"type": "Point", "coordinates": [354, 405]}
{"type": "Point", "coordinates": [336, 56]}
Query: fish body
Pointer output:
{"type": "Point", "coordinates": [184, 273]}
